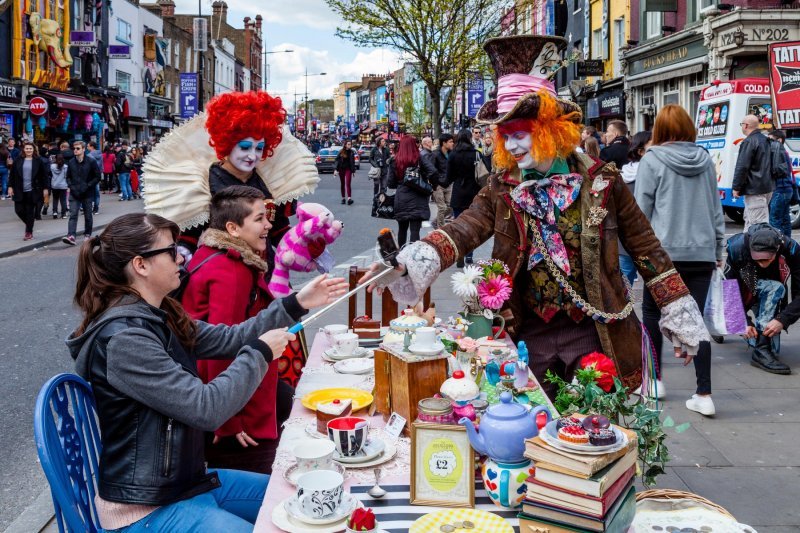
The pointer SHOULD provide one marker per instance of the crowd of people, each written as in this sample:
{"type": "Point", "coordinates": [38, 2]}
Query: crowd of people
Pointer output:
{"type": "Point", "coordinates": [65, 178]}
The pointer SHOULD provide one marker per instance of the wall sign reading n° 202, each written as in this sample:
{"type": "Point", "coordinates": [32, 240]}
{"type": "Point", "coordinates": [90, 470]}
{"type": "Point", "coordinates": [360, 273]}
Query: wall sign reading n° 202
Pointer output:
{"type": "Point", "coordinates": [760, 34]}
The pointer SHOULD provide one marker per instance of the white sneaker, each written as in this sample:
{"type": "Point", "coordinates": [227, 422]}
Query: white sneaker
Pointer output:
{"type": "Point", "coordinates": [657, 390]}
{"type": "Point", "coordinates": [701, 404]}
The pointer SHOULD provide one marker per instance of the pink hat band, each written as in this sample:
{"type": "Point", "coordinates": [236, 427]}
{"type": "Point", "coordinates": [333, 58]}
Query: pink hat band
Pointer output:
{"type": "Point", "coordinates": [512, 87]}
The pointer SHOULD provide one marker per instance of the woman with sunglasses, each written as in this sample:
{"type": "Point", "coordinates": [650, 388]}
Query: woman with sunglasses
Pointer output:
{"type": "Point", "coordinates": [138, 348]}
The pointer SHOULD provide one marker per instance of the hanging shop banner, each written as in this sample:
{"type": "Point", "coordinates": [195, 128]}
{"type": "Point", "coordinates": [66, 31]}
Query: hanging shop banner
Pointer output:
{"type": "Point", "coordinates": [82, 38]}
{"type": "Point", "coordinates": [188, 94]}
{"type": "Point", "coordinates": [119, 51]}
{"type": "Point", "coordinates": [784, 66]}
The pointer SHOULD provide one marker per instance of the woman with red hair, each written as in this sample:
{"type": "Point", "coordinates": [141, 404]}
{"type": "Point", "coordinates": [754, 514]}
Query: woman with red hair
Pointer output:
{"type": "Point", "coordinates": [410, 206]}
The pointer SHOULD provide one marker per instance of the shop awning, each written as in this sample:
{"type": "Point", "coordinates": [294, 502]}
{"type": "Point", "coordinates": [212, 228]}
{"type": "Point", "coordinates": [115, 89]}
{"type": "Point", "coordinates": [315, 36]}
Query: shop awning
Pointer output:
{"type": "Point", "coordinates": [9, 106]}
{"type": "Point", "coordinates": [669, 72]}
{"type": "Point", "coordinates": [74, 103]}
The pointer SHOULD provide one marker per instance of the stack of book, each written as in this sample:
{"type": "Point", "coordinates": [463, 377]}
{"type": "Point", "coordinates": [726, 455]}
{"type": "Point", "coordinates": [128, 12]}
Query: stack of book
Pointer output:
{"type": "Point", "coordinates": [569, 492]}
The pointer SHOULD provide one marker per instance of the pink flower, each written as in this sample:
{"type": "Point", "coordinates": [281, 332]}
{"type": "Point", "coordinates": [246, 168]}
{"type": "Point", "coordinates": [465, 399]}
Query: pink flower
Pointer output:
{"type": "Point", "coordinates": [492, 293]}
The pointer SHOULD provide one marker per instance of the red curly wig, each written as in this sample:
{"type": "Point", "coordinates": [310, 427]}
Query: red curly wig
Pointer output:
{"type": "Point", "coordinates": [231, 117]}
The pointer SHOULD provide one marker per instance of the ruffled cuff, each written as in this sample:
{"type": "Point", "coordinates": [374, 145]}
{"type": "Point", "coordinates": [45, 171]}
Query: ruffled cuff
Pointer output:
{"type": "Point", "coordinates": [422, 265]}
{"type": "Point", "coordinates": [682, 323]}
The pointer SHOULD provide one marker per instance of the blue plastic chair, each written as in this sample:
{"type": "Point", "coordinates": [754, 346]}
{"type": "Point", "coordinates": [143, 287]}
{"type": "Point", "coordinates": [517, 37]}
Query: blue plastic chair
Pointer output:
{"type": "Point", "coordinates": [68, 441]}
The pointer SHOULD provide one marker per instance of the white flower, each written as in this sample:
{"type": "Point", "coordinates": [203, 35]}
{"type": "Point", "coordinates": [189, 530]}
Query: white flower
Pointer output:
{"type": "Point", "coordinates": [465, 283]}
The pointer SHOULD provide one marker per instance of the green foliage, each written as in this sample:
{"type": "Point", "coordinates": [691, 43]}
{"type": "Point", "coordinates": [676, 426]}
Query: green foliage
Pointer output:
{"type": "Point", "coordinates": [585, 397]}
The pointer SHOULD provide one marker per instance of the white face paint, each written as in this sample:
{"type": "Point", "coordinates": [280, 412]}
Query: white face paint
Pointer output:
{"type": "Point", "coordinates": [519, 143]}
{"type": "Point", "coordinates": [246, 153]}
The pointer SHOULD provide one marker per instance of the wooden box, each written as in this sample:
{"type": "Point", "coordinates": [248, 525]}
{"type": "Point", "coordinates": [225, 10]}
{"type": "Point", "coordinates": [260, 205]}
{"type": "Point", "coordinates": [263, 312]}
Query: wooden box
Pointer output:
{"type": "Point", "coordinates": [403, 379]}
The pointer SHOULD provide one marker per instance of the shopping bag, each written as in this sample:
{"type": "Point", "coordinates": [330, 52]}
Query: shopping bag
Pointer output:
{"type": "Point", "coordinates": [724, 312]}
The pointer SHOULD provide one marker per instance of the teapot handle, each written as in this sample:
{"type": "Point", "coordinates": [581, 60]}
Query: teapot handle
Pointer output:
{"type": "Point", "coordinates": [539, 409]}
{"type": "Point", "coordinates": [502, 325]}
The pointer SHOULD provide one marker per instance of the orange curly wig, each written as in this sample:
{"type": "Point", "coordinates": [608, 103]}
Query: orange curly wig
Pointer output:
{"type": "Point", "coordinates": [231, 117]}
{"type": "Point", "coordinates": [553, 134]}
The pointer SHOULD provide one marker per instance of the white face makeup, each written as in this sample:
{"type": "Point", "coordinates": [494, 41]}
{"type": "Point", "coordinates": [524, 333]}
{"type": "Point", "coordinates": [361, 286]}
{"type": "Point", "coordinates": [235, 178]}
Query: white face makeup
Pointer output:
{"type": "Point", "coordinates": [246, 153]}
{"type": "Point", "coordinates": [519, 143]}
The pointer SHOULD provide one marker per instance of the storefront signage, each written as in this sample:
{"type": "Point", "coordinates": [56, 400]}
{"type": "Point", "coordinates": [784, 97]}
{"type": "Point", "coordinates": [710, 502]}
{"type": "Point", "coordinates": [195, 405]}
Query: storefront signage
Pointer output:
{"type": "Point", "coordinates": [157, 123]}
{"type": "Point", "coordinates": [668, 57]}
{"type": "Point", "coordinates": [10, 93]}
{"type": "Point", "coordinates": [57, 80]}
{"type": "Point", "coordinates": [611, 104]}
{"type": "Point", "coordinates": [38, 106]}
{"type": "Point", "coordinates": [82, 38]}
{"type": "Point", "coordinates": [758, 35]}
{"type": "Point", "coordinates": [119, 51]}
{"type": "Point", "coordinates": [660, 5]}
{"type": "Point", "coordinates": [725, 88]}
{"type": "Point", "coordinates": [188, 94]}
{"type": "Point", "coordinates": [784, 66]}
{"type": "Point", "coordinates": [590, 67]}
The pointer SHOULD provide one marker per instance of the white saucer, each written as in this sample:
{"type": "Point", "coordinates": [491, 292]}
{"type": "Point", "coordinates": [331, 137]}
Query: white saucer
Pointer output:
{"type": "Point", "coordinates": [291, 474]}
{"type": "Point", "coordinates": [358, 366]}
{"type": "Point", "coordinates": [370, 451]}
{"type": "Point", "coordinates": [387, 455]}
{"type": "Point", "coordinates": [435, 349]}
{"type": "Point", "coordinates": [374, 341]}
{"type": "Point", "coordinates": [331, 354]}
{"type": "Point", "coordinates": [348, 505]}
{"type": "Point", "coordinates": [282, 520]}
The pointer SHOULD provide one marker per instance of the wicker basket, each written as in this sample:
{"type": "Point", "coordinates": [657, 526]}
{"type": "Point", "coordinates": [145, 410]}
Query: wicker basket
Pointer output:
{"type": "Point", "coordinates": [670, 494]}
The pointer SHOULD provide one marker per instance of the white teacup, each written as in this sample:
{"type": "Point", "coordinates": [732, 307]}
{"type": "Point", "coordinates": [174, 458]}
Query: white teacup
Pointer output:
{"type": "Point", "coordinates": [314, 454]}
{"type": "Point", "coordinates": [332, 330]}
{"type": "Point", "coordinates": [425, 337]}
{"type": "Point", "coordinates": [345, 343]}
{"type": "Point", "coordinates": [319, 493]}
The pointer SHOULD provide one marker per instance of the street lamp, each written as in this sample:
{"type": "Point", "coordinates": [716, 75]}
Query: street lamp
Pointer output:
{"type": "Point", "coordinates": [266, 65]}
{"type": "Point", "coordinates": [308, 116]}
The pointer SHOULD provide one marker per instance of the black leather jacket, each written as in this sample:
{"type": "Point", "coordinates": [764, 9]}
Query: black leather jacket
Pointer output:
{"type": "Point", "coordinates": [753, 174]}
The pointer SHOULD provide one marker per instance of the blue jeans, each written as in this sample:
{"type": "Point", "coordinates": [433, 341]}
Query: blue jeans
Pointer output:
{"type": "Point", "coordinates": [779, 209]}
{"type": "Point", "coordinates": [75, 205]}
{"type": "Point", "coordinates": [125, 185]}
{"type": "Point", "coordinates": [628, 268]}
{"type": "Point", "coordinates": [97, 197]}
{"type": "Point", "coordinates": [232, 508]}
{"type": "Point", "coordinates": [3, 180]}
{"type": "Point", "coordinates": [768, 293]}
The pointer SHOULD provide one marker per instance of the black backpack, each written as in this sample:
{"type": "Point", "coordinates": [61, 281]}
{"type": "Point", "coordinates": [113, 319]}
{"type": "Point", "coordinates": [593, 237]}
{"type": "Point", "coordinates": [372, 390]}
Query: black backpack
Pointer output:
{"type": "Point", "coordinates": [185, 274]}
{"type": "Point", "coordinates": [778, 164]}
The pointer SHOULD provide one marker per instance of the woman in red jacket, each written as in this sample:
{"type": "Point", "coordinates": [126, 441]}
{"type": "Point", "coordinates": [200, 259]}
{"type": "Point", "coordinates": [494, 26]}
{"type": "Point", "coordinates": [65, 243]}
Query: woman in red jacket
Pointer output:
{"type": "Point", "coordinates": [230, 287]}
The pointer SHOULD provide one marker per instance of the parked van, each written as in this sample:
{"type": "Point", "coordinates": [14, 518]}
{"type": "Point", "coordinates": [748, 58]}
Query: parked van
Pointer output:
{"type": "Point", "coordinates": [720, 111]}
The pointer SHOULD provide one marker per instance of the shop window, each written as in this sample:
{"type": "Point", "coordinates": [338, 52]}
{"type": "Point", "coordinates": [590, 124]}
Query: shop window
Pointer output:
{"type": "Point", "coordinates": [699, 79]}
{"type": "Point", "coordinates": [653, 20]}
{"type": "Point", "coordinates": [695, 7]}
{"type": "Point", "coordinates": [124, 81]}
{"type": "Point", "coordinates": [619, 40]}
{"type": "Point", "coordinates": [597, 44]}
{"type": "Point", "coordinates": [177, 46]}
{"type": "Point", "coordinates": [124, 31]}
{"type": "Point", "coordinates": [188, 60]}
{"type": "Point", "coordinates": [648, 95]}
{"type": "Point", "coordinates": [672, 85]}
{"type": "Point", "coordinates": [672, 98]}
{"type": "Point", "coordinates": [694, 102]}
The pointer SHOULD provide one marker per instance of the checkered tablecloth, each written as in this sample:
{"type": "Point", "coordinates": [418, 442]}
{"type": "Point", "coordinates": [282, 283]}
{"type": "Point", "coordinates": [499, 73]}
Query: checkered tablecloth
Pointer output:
{"type": "Point", "coordinates": [395, 514]}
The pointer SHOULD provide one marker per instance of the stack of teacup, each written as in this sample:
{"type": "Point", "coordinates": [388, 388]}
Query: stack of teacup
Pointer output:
{"type": "Point", "coordinates": [344, 343]}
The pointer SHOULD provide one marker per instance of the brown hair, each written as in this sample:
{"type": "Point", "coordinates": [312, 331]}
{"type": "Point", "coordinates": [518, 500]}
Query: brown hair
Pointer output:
{"type": "Point", "coordinates": [591, 146]}
{"type": "Point", "coordinates": [233, 204]}
{"type": "Point", "coordinates": [35, 148]}
{"type": "Point", "coordinates": [101, 278]}
{"type": "Point", "coordinates": [673, 124]}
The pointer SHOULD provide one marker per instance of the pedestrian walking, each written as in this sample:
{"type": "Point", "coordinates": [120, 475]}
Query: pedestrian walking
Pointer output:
{"type": "Point", "coordinates": [123, 164]}
{"type": "Point", "coordinates": [82, 176]}
{"type": "Point", "coordinates": [442, 194]}
{"type": "Point", "coordinates": [780, 206]}
{"type": "Point", "coordinates": [96, 156]}
{"type": "Point", "coordinates": [639, 145]}
{"type": "Point", "coordinates": [763, 260]}
{"type": "Point", "coordinates": [346, 167]}
{"type": "Point", "coordinates": [5, 160]}
{"type": "Point", "coordinates": [27, 185]}
{"type": "Point", "coordinates": [59, 186]}
{"type": "Point", "coordinates": [138, 348]}
{"type": "Point", "coordinates": [752, 178]}
{"type": "Point", "coordinates": [477, 138]}
{"type": "Point", "coordinates": [12, 148]}
{"type": "Point", "coordinates": [411, 206]}
{"type": "Point", "coordinates": [676, 189]}
{"type": "Point", "coordinates": [108, 170]}
{"type": "Point", "coordinates": [43, 203]}
{"type": "Point", "coordinates": [378, 158]}
{"type": "Point", "coordinates": [136, 172]}
{"type": "Point", "coordinates": [617, 144]}
{"type": "Point", "coordinates": [461, 175]}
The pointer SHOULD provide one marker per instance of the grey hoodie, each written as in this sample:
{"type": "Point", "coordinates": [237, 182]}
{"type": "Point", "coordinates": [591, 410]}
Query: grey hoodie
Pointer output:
{"type": "Point", "coordinates": [676, 188]}
{"type": "Point", "coordinates": [139, 366]}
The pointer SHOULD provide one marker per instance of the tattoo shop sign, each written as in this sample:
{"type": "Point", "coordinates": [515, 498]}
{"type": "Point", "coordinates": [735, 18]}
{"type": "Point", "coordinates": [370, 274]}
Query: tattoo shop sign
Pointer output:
{"type": "Point", "coordinates": [784, 65]}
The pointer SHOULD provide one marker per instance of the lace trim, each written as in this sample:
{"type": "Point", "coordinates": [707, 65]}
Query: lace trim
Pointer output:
{"type": "Point", "coordinates": [423, 266]}
{"type": "Point", "coordinates": [682, 323]}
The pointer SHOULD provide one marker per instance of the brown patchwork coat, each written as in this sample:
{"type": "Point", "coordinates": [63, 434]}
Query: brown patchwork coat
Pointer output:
{"type": "Point", "coordinates": [607, 215]}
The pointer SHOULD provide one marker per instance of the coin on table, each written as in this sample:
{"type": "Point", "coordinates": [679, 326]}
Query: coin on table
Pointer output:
{"type": "Point", "coordinates": [466, 524]}
{"type": "Point", "coordinates": [447, 528]}
{"type": "Point", "coordinates": [457, 525]}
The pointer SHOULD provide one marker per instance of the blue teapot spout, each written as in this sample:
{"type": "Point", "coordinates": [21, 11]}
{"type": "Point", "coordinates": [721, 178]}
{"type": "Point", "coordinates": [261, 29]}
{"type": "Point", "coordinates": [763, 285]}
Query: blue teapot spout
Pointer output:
{"type": "Point", "coordinates": [475, 438]}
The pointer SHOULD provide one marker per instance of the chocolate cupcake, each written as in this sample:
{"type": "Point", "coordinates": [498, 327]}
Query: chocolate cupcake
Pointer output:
{"type": "Point", "coordinates": [567, 421]}
{"type": "Point", "coordinates": [602, 437]}
{"type": "Point", "coordinates": [596, 422]}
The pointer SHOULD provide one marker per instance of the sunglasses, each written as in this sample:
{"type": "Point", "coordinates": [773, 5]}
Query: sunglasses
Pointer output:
{"type": "Point", "coordinates": [172, 250]}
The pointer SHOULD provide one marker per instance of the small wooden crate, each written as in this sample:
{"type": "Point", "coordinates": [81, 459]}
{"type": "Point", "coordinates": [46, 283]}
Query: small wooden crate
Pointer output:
{"type": "Point", "coordinates": [403, 379]}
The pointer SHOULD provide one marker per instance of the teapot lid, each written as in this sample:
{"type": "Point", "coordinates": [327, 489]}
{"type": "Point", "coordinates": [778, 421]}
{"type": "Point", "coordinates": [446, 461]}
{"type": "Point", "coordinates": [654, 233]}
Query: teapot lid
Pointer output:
{"type": "Point", "coordinates": [407, 320]}
{"type": "Point", "coordinates": [507, 409]}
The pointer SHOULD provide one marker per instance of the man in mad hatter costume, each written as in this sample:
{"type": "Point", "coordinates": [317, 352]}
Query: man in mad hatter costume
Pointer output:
{"type": "Point", "coordinates": [557, 217]}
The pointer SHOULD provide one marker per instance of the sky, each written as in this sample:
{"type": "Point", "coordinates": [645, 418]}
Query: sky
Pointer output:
{"type": "Point", "coordinates": [308, 27]}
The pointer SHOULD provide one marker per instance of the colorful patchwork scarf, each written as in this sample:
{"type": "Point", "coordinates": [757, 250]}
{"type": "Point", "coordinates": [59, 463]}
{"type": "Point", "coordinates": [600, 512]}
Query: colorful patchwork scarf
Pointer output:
{"type": "Point", "coordinates": [539, 198]}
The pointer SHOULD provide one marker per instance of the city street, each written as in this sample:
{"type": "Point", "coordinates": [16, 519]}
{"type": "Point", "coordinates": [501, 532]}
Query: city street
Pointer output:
{"type": "Point", "coordinates": [738, 459]}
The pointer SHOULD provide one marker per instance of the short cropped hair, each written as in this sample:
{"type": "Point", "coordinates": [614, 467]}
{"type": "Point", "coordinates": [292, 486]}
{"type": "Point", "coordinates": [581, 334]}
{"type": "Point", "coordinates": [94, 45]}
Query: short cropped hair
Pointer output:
{"type": "Point", "coordinates": [620, 126]}
{"type": "Point", "coordinates": [444, 137]}
{"type": "Point", "coordinates": [673, 124]}
{"type": "Point", "coordinates": [233, 204]}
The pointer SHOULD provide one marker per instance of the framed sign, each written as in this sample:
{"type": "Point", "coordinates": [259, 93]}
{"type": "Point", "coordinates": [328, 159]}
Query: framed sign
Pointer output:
{"type": "Point", "coordinates": [442, 466]}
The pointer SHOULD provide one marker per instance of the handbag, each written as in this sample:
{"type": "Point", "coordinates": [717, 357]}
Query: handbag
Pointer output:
{"type": "Point", "coordinates": [383, 205]}
{"type": "Point", "coordinates": [481, 172]}
{"type": "Point", "coordinates": [374, 173]}
{"type": "Point", "coordinates": [416, 182]}
{"type": "Point", "coordinates": [724, 311]}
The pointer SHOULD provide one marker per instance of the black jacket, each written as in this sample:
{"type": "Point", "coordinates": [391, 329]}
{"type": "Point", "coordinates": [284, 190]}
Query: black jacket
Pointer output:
{"type": "Point", "coordinates": [119, 162]}
{"type": "Point", "coordinates": [427, 167]}
{"type": "Point", "coordinates": [39, 179]}
{"type": "Point", "coordinates": [82, 176]}
{"type": "Point", "coordinates": [616, 152]}
{"type": "Point", "coordinates": [440, 162]}
{"type": "Point", "coordinates": [379, 158]}
{"type": "Point", "coordinates": [753, 173]}
{"type": "Point", "coordinates": [346, 161]}
{"type": "Point", "coordinates": [461, 173]}
{"type": "Point", "coordinates": [408, 203]}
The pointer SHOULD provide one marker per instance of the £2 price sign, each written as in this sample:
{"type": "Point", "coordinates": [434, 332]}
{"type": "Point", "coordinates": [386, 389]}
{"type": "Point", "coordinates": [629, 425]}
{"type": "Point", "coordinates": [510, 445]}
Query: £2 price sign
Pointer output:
{"type": "Point", "coordinates": [784, 66]}
{"type": "Point", "coordinates": [37, 106]}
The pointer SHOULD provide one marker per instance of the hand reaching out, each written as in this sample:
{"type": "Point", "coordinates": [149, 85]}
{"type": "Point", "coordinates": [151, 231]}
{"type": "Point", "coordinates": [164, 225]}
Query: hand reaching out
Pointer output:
{"type": "Point", "coordinates": [321, 291]}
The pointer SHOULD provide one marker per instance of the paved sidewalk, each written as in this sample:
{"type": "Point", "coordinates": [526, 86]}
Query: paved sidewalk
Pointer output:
{"type": "Point", "coordinates": [48, 231]}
